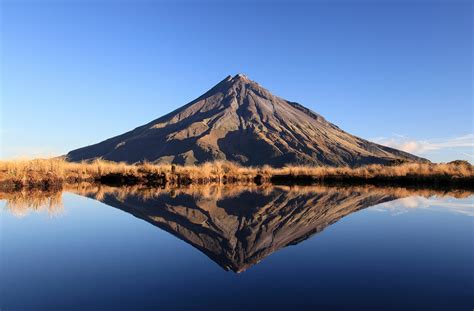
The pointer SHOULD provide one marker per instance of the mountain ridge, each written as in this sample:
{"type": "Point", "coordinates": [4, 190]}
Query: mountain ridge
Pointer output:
{"type": "Point", "coordinates": [240, 121]}
{"type": "Point", "coordinates": [238, 236]}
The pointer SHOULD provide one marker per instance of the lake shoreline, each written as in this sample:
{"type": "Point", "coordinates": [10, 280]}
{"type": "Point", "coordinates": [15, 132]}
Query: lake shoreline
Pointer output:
{"type": "Point", "coordinates": [410, 183]}
{"type": "Point", "coordinates": [54, 173]}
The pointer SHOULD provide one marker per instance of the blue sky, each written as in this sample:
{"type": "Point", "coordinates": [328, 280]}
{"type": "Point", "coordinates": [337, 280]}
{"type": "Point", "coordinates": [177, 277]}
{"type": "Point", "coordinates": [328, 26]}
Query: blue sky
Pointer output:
{"type": "Point", "coordinates": [77, 72]}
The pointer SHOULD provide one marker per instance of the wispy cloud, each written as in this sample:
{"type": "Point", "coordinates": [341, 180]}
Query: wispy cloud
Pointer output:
{"type": "Point", "coordinates": [405, 205]}
{"type": "Point", "coordinates": [467, 154]}
{"type": "Point", "coordinates": [423, 146]}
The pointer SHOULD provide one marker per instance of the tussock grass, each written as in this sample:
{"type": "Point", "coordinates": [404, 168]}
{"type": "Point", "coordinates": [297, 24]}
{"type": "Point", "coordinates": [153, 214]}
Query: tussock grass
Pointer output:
{"type": "Point", "coordinates": [47, 173]}
{"type": "Point", "coordinates": [376, 170]}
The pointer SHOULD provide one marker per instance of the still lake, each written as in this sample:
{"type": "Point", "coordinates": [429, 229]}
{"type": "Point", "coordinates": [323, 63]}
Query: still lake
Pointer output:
{"type": "Point", "coordinates": [237, 248]}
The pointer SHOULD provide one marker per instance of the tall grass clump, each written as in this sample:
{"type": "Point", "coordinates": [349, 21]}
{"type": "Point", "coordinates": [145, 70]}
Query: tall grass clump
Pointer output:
{"type": "Point", "coordinates": [57, 171]}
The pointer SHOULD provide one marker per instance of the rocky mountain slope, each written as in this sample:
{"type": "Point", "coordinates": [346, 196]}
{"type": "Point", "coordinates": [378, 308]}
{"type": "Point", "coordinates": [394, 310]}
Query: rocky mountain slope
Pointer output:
{"type": "Point", "coordinates": [240, 121]}
{"type": "Point", "coordinates": [239, 227]}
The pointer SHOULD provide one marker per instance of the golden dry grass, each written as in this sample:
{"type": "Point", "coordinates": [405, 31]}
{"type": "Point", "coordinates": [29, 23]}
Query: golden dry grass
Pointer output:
{"type": "Point", "coordinates": [59, 170]}
{"type": "Point", "coordinates": [38, 172]}
{"type": "Point", "coordinates": [375, 170]}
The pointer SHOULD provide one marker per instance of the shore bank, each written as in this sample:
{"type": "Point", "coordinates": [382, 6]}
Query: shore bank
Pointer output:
{"type": "Point", "coordinates": [52, 173]}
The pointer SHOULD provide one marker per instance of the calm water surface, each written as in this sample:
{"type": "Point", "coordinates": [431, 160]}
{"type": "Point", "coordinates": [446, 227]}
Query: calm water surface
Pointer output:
{"type": "Point", "coordinates": [234, 248]}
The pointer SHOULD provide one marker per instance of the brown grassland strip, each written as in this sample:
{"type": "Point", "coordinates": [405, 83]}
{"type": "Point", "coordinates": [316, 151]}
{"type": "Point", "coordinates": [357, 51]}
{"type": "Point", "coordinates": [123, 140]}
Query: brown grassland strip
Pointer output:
{"type": "Point", "coordinates": [51, 173]}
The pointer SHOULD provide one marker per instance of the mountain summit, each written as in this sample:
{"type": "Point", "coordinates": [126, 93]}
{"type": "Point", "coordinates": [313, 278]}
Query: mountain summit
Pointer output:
{"type": "Point", "coordinates": [239, 120]}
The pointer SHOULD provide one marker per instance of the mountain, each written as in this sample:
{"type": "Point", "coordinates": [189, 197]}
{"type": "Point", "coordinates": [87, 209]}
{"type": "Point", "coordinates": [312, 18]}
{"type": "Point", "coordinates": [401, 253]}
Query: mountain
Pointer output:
{"type": "Point", "coordinates": [238, 227]}
{"type": "Point", "coordinates": [240, 121]}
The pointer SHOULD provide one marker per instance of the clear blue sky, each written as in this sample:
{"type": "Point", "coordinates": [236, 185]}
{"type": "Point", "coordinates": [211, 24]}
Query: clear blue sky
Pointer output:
{"type": "Point", "coordinates": [77, 72]}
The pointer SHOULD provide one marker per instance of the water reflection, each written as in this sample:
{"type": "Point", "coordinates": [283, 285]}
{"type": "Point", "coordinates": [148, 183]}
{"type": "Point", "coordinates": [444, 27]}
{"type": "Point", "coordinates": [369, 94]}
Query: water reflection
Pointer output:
{"type": "Point", "coordinates": [448, 204]}
{"type": "Point", "coordinates": [235, 226]}
{"type": "Point", "coordinates": [21, 203]}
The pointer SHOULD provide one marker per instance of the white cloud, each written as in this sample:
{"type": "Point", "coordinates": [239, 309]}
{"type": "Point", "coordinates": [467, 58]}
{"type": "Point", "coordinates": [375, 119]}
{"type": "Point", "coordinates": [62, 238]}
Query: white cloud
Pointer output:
{"type": "Point", "coordinates": [423, 146]}
{"type": "Point", "coordinates": [451, 205]}
{"type": "Point", "coordinates": [30, 152]}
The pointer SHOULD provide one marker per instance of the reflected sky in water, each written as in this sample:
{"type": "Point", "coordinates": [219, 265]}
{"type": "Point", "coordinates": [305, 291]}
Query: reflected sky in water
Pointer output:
{"type": "Point", "coordinates": [237, 248]}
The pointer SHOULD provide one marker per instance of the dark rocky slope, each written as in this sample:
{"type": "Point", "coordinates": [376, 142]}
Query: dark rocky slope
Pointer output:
{"type": "Point", "coordinates": [238, 227]}
{"type": "Point", "coordinates": [240, 121]}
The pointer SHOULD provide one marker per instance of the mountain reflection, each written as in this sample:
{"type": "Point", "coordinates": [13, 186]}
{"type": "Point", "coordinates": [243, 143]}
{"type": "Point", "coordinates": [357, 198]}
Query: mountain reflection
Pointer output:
{"type": "Point", "coordinates": [239, 227]}
{"type": "Point", "coordinates": [235, 226]}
